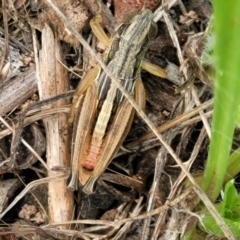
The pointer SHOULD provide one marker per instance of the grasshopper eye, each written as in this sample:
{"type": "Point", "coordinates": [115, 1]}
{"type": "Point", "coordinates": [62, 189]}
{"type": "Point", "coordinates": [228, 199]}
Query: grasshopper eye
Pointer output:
{"type": "Point", "coordinates": [119, 29]}
{"type": "Point", "coordinates": [152, 31]}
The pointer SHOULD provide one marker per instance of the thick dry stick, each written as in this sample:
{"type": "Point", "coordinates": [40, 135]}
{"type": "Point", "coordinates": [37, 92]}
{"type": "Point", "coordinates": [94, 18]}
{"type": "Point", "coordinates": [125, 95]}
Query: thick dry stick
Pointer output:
{"type": "Point", "coordinates": [52, 81]}
{"type": "Point", "coordinates": [5, 51]}
{"type": "Point", "coordinates": [17, 90]}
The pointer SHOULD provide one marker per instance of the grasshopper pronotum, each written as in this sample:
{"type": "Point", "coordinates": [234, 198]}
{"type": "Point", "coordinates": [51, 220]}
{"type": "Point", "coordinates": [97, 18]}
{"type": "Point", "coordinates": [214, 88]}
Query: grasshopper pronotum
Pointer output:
{"type": "Point", "coordinates": [103, 116]}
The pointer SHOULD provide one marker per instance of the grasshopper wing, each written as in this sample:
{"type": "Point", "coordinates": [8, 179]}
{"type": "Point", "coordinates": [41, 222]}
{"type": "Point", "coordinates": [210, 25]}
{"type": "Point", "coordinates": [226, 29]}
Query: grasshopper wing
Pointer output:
{"type": "Point", "coordinates": [115, 137]}
{"type": "Point", "coordinates": [116, 134]}
{"type": "Point", "coordinates": [83, 121]}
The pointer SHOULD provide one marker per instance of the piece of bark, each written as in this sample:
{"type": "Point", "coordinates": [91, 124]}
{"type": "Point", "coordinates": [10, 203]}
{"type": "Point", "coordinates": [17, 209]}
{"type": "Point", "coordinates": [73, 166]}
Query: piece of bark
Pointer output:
{"type": "Point", "coordinates": [12, 62]}
{"type": "Point", "coordinates": [7, 190]}
{"type": "Point", "coordinates": [53, 81]}
{"type": "Point", "coordinates": [17, 90]}
{"type": "Point", "coordinates": [74, 10]}
{"type": "Point", "coordinates": [36, 139]}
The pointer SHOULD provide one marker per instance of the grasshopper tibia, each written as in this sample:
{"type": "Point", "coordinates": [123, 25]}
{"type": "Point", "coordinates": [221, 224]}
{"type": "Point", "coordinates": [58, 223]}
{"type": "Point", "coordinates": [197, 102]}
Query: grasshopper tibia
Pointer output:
{"type": "Point", "coordinates": [89, 188]}
{"type": "Point", "coordinates": [73, 184]}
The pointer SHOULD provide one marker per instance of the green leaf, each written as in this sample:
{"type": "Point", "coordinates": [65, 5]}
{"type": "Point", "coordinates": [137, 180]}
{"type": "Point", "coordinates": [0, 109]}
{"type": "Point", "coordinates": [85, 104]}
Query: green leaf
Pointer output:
{"type": "Point", "coordinates": [226, 93]}
{"type": "Point", "coordinates": [229, 209]}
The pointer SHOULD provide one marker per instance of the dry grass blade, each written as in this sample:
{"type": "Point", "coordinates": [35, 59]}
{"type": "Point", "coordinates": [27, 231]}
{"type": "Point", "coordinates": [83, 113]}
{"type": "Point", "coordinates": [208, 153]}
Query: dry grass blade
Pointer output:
{"type": "Point", "coordinates": [36, 117]}
{"type": "Point", "coordinates": [184, 66]}
{"type": "Point", "coordinates": [6, 47]}
{"type": "Point", "coordinates": [152, 195]}
{"type": "Point", "coordinates": [136, 211]}
{"type": "Point", "coordinates": [179, 180]}
{"type": "Point", "coordinates": [201, 113]}
{"type": "Point", "coordinates": [130, 219]}
{"type": "Point", "coordinates": [174, 122]}
{"type": "Point", "coordinates": [116, 224]}
{"type": "Point", "coordinates": [31, 186]}
{"type": "Point", "coordinates": [27, 145]}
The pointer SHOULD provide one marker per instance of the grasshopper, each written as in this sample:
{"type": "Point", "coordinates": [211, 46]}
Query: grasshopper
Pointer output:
{"type": "Point", "coordinates": [102, 116]}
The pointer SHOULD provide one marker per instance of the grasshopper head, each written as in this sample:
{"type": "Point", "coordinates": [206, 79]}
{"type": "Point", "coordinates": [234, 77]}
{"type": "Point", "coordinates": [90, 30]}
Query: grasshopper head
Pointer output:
{"type": "Point", "coordinates": [140, 28]}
